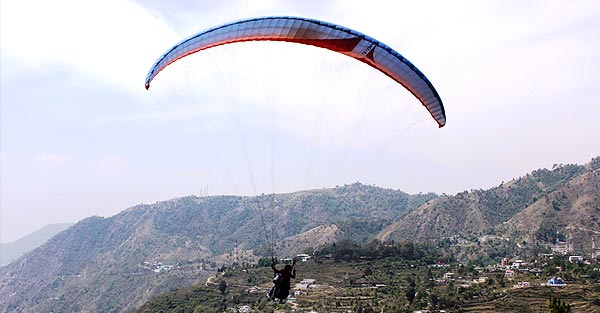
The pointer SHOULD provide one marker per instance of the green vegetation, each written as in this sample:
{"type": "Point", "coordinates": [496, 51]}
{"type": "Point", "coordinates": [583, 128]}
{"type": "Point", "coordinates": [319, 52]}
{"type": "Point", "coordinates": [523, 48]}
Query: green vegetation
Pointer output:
{"type": "Point", "coordinates": [348, 250]}
{"type": "Point", "coordinates": [393, 277]}
{"type": "Point", "coordinates": [197, 299]}
{"type": "Point", "coordinates": [557, 306]}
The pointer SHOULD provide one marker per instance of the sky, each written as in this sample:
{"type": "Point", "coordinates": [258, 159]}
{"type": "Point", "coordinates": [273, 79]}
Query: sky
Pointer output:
{"type": "Point", "coordinates": [80, 136]}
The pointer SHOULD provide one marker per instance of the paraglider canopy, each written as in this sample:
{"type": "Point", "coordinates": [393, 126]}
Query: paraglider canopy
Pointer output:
{"type": "Point", "coordinates": [315, 33]}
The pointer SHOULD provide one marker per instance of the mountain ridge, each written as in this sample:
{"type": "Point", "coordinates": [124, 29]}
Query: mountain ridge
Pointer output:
{"type": "Point", "coordinates": [150, 248]}
{"type": "Point", "coordinates": [510, 208]}
{"type": "Point", "coordinates": [10, 251]}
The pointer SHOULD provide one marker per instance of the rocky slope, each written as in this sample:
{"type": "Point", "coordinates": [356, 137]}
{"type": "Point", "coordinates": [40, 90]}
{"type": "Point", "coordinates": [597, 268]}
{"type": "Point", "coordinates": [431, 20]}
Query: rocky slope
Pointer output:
{"type": "Point", "coordinates": [538, 208]}
{"type": "Point", "coordinates": [115, 264]}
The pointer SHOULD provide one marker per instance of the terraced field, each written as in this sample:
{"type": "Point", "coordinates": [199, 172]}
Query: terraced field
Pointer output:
{"type": "Point", "coordinates": [534, 299]}
{"type": "Point", "coordinates": [375, 286]}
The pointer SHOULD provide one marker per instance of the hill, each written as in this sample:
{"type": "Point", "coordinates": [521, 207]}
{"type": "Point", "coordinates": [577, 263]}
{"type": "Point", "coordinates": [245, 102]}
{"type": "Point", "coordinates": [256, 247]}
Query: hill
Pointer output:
{"type": "Point", "coordinates": [534, 210]}
{"type": "Point", "coordinates": [117, 263]}
{"type": "Point", "coordinates": [572, 208]}
{"type": "Point", "coordinates": [316, 237]}
{"type": "Point", "coordinates": [12, 250]}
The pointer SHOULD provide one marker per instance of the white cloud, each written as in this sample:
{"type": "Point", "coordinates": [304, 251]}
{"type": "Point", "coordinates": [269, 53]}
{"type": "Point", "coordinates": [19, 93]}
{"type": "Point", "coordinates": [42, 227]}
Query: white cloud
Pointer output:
{"type": "Point", "coordinates": [47, 159]}
{"type": "Point", "coordinates": [113, 40]}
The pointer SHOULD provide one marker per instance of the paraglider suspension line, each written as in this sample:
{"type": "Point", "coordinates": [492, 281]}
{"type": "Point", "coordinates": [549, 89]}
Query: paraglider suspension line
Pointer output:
{"type": "Point", "coordinates": [264, 225]}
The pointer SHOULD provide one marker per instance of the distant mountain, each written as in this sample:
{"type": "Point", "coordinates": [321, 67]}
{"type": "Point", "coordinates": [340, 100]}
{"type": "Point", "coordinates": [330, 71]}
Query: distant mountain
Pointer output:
{"type": "Point", "coordinates": [116, 264]}
{"type": "Point", "coordinates": [12, 250]}
{"type": "Point", "coordinates": [538, 208]}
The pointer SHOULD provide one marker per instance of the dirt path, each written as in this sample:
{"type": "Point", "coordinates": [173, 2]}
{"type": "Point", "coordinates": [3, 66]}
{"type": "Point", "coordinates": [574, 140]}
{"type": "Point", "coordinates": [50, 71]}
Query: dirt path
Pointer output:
{"type": "Point", "coordinates": [209, 280]}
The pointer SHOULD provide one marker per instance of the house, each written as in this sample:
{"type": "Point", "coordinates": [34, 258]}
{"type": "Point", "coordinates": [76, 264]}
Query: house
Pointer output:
{"type": "Point", "coordinates": [517, 264]}
{"type": "Point", "coordinates": [449, 276]}
{"type": "Point", "coordinates": [509, 273]}
{"type": "Point", "coordinates": [575, 259]}
{"type": "Point", "coordinates": [305, 284]}
{"type": "Point", "coordinates": [535, 270]}
{"type": "Point", "coordinates": [303, 257]}
{"type": "Point", "coordinates": [556, 282]}
{"type": "Point", "coordinates": [301, 287]}
{"type": "Point", "coordinates": [561, 247]}
{"type": "Point", "coordinates": [522, 284]}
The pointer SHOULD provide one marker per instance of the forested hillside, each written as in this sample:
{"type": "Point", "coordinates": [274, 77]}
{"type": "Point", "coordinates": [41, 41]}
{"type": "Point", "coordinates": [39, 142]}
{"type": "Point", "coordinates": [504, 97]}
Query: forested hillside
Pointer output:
{"type": "Point", "coordinates": [117, 263]}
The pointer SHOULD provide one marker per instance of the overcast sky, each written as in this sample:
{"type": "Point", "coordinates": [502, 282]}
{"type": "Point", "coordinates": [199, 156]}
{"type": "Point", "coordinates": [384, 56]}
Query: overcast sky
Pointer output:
{"type": "Point", "coordinates": [80, 136]}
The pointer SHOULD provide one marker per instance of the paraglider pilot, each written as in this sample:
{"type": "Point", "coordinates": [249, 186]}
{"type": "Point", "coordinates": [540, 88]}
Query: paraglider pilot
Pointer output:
{"type": "Point", "coordinates": [281, 282]}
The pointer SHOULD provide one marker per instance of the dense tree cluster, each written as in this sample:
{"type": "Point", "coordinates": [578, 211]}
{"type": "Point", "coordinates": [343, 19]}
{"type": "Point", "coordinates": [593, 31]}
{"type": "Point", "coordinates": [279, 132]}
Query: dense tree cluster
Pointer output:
{"type": "Point", "coordinates": [348, 250]}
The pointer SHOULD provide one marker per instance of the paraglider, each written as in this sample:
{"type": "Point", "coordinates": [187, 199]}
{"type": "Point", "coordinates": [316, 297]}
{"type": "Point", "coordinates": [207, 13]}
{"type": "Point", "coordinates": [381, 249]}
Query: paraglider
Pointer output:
{"type": "Point", "coordinates": [281, 281]}
{"type": "Point", "coordinates": [315, 33]}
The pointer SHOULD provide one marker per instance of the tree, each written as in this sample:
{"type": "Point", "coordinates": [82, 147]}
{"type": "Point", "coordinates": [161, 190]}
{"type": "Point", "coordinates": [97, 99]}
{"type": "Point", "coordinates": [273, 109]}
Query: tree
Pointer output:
{"type": "Point", "coordinates": [223, 287]}
{"type": "Point", "coordinates": [557, 306]}
{"type": "Point", "coordinates": [410, 294]}
{"type": "Point", "coordinates": [434, 299]}
{"type": "Point", "coordinates": [264, 262]}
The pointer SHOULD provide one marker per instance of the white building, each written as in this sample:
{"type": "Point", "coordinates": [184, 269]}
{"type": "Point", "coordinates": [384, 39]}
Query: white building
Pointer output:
{"type": "Point", "coordinates": [449, 276]}
{"type": "Point", "coordinates": [575, 259]}
{"type": "Point", "coordinates": [303, 257]}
